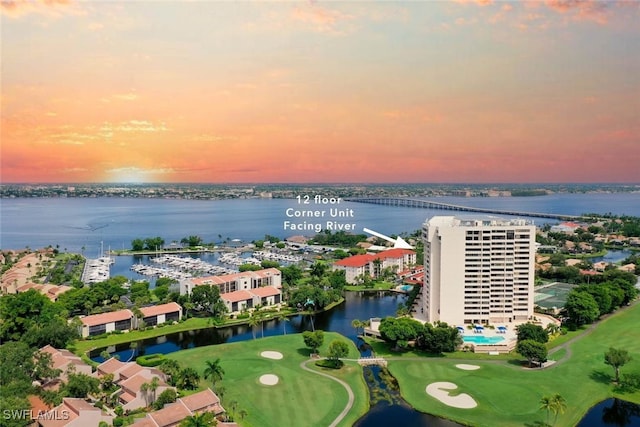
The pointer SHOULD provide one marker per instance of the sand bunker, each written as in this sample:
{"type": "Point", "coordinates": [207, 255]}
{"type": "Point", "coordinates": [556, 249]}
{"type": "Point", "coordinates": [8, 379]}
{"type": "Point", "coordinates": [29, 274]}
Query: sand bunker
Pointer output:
{"type": "Point", "coordinates": [440, 392]}
{"type": "Point", "coordinates": [269, 379]}
{"type": "Point", "coordinates": [467, 367]}
{"type": "Point", "coordinates": [276, 355]}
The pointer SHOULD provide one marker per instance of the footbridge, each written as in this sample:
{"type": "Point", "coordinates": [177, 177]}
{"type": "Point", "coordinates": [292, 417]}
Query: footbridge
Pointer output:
{"type": "Point", "coordinates": [427, 204]}
{"type": "Point", "coordinates": [372, 361]}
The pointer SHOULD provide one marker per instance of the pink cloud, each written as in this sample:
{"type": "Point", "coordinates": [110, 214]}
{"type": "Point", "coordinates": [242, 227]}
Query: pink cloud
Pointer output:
{"type": "Point", "coordinates": [54, 8]}
{"type": "Point", "coordinates": [319, 18]}
{"type": "Point", "coordinates": [582, 10]}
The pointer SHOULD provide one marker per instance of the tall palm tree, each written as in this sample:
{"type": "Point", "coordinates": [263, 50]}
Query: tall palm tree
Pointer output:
{"type": "Point", "coordinates": [214, 371]}
{"type": "Point", "coordinates": [282, 317]}
{"type": "Point", "coordinates": [546, 404]}
{"type": "Point", "coordinates": [559, 406]}
{"type": "Point", "coordinates": [153, 386]}
{"type": "Point", "coordinates": [204, 419]}
{"type": "Point", "coordinates": [253, 322]}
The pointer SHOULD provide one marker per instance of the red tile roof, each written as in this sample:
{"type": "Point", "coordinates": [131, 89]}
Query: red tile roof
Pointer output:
{"type": "Point", "coordinates": [355, 261]}
{"type": "Point", "coordinates": [103, 318]}
{"type": "Point", "coordinates": [226, 278]}
{"type": "Point", "coordinates": [265, 291]}
{"type": "Point", "coordinates": [170, 414]}
{"type": "Point", "coordinates": [201, 400]}
{"type": "Point", "coordinates": [160, 309]}
{"type": "Point", "coordinates": [237, 296]}
{"type": "Point", "coordinates": [395, 253]}
{"type": "Point", "coordinates": [362, 260]}
{"type": "Point", "coordinates": [110, 366]}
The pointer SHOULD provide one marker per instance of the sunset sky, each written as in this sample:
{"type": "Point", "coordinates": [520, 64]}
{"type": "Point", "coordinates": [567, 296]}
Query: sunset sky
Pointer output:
{"type": "Point", "coordinates": [223, 92]}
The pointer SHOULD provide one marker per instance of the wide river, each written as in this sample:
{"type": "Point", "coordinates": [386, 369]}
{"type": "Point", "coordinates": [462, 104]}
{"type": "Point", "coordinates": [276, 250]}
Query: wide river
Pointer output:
{"type": "Point", "coordinates": [75, 224]}
{"type": "Point", "coordinates": [93, 224]}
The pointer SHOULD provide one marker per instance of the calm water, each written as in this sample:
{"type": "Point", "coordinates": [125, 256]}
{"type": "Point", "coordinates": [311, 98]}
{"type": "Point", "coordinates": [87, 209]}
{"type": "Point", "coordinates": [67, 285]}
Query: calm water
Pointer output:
{"type": "Point", "coordinates": [612, 412]}
{"type": "Point", "coordinates": [357, 305]}
{"type": "Point", "coordinates": [76, 223]}
{"type": "Point", "coordinates": [88, 225]}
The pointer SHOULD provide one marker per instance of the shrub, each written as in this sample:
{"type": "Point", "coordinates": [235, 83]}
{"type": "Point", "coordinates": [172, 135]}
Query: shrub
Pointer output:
{"type": "Point", "coordinates": [329, 364]}
{"type": "Point", "coordinates": [150, 360]}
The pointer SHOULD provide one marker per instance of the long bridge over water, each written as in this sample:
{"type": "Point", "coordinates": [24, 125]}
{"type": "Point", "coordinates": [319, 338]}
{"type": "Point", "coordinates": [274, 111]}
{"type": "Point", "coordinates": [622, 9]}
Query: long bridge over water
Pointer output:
{"type": "Point", "coordinates": [427, 204]}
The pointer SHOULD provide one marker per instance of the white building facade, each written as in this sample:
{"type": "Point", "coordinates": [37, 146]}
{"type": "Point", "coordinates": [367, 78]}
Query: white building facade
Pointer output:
{"type": "Point", "coordinates": [478, 270]}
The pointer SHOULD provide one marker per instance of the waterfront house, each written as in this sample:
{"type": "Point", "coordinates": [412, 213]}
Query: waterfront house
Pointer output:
{"type": "Point", "coordinates": [374, 264]}
{"type": "Point", "coordinates": [73, 412]}
{"type": "Point", "coordinates": [266, 296]}
{"type": "Point", "coordinates": [158, 314]}
{"type": "Point", "coordinates": [97, 324]}
{"type": "Point", "coordinates": [236, 281]}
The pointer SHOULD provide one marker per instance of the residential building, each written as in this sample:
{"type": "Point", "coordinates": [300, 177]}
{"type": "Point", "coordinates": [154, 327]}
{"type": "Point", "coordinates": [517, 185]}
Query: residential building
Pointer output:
{"type": "Point", "coordinates": [67, 362]}
{"type": "Point", "coordinates": [171, 415]}
{"type": "Point", "coordinates": [130, 377]}
{"type": "Point", "coordinates": [158, 314]}
{"type": "Point", "coordinates": [74, 412]}
{"type": "Point", "coordinates": [96, 324]}
{"type": "Point", "coordinates": [236, 281]}
{"type": "Point", "coordinates": [50, 291]}
{"type": "Point", "coordinates": [477, 270]}
{"type": "Point", "coordinates": [266, 296]}
{"type": "Point", "coordinates": [374, 264]}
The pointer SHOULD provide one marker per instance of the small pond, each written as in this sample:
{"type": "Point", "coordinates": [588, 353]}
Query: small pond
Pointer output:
{"type": "Point", "coordinates": [612, 412]}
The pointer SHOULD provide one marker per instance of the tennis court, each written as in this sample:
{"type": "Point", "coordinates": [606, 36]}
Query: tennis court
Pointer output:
{"type": "Point", "coordinates": [552, 295]}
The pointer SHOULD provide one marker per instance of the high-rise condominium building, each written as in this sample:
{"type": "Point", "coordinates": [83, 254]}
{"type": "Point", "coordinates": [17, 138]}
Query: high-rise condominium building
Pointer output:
{"type": "Point", "coordinates": [477, 270]}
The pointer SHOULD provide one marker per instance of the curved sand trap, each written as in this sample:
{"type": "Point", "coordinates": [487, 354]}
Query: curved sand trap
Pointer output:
{"type": "Point", "coordinates": [440, 392]}
{"type": "Point", "coordinates": [467, 367]}
{"type": "Point", "coordinates": [269, 379]}
{"type": "Point", "coordinates": [276, 355]}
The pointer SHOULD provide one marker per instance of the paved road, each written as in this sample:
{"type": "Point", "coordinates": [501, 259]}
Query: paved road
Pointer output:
{"type": "Point", "coordinates": [351, 399]}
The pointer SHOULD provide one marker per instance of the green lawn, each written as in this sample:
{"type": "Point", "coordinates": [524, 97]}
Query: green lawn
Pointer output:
{"type": "Point", "coordinates": [377, 286]}
{"type": "Point", "coordinates": [300, 398]}
{"type": "Point", "coordinates": [509, 395]}
{"type": "Point", "coordinates": [81, 347]}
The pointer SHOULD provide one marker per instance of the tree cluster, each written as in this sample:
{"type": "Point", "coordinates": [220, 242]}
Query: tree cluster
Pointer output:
{"type": "Point", "coordinates": [434, 339]}
{"type": "Point", "coordinates": [149, 244]}
{"type": "Point", "coordinates": [587, 302]}
{"type": "Point", "coordinates": [339, 238]}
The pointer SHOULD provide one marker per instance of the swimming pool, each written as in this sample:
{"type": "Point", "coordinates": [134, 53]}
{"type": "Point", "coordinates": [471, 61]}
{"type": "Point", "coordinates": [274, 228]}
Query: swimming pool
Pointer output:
{"type": "Point", "coordinates": [478, 339]}
{"type": "Point", "coordinates": [406, 288]}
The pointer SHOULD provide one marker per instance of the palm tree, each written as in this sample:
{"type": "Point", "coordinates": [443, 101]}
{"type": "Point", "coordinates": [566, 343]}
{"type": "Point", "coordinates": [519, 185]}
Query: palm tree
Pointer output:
{"type": "Point", "coordinates": [153, 386]}
{"type": "Point", "coordinates": [253, 322]}
{"type": "Point", "coordinates": [171, 368]}
{"type": "Point", "coordinates": [282, 317]}
{"type": "Point", "coordinates": [204, 419]}
{"type": "Point", "coordinates": [559, 406]}
{"type": "Point", "coordinates": [144, 388]}
{"type": "Point", "coordinates": [188, 378]}
{"type": "Point", "coordinates": [242, 413]}
{"type": "Point", "coordinates": [546, 403]}
{"type": "Point", "coordinates": [149, 390]}
{"type": "Point", "coordinates": [213, 371]}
